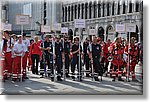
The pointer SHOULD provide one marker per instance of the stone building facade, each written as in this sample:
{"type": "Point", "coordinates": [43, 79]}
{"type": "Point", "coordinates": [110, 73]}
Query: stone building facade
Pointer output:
{"type": "Point", "coordinates": [103, 15]}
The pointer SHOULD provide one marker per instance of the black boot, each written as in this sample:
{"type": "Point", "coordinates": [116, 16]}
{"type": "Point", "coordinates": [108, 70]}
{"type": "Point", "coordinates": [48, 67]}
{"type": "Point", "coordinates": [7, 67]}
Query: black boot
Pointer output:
{"type": "Point", "coordinates": [79, 78]}
{"type": "Point", "coordinates": [67, 75]}
{"type": "Point", "coordinates": [96, 79]}
{"type": "Point", "coordinates": [87, 75]}
{"type": "Point", "coordinates": [52, 78]}
{"type": "Point", "coordinates": [59, 78]}
{"type": "Point", "coordinates": [114, 79]}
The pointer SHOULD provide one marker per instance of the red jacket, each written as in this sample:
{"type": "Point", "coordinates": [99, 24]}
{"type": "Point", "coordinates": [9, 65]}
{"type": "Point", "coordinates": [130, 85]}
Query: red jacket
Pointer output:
{"type": "Point", "coordinates": [35, 48]}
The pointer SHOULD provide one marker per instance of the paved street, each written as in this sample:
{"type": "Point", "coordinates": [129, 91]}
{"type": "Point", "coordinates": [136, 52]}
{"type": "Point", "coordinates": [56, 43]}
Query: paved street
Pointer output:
{"type": "Point", "coordinates": [37, 85]}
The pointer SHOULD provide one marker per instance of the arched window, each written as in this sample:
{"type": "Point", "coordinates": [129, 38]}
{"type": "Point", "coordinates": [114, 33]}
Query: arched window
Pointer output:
{"type": "Point", "coordinates": [108, 9]}
{"type": "Point", "coordinates": [130, 7]}
{"type": "Point", "coordinates": [75, 15]}
{"type": "Point", "coordinates": [90, 10]}
{"type": "Point", "coordinates": [82, 10]}
{"type": "Point", "coordinates": [103, 8]}
{"type": "Point", "coordinates": [78, 11]}
{"type": "Point", "coordinates": [137, 6]}
{"type": "Point", "coordinates": [86, 10]}
{"type": "Point", "coordinates": [113, 7]}
{"type": "Point", "coordinates": [45, 13]}
{"type": "Point", "coordinates": [99, 9]}
{"type": "Point", "coordinates": [70, 34]}
{"type": "Point", "coordinates": [124, 8]}
{"type": "Point", "coordinates": [118, 10]}
{"type": "Point", "coordinates": [62, 14]}
{"type": "Point", "coordinates": [72, 13]}
{"type": "Point", "coordinates": [69, 13]}
{"type": "Point", "coordinates": [94, 10]}
{"type": "Point", "coordinates": [101, 33]}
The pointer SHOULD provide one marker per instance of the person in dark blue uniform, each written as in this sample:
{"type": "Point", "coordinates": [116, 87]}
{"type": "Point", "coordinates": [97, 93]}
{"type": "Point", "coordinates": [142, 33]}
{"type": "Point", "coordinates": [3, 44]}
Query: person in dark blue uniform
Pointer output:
{"type": "Point", "coordinates": [86, 55]}
{"type": "Point", "coordinates": [45, 57]}
{"type": "Point", "coordinates": [96, 51]}
{"type": "Point", "coordinates": [76, 51]}
{"type": "Point", "coordinates": [59, 56]}
{"type": "Point", "coordinates": [50, 51]}
{"type": "Point", "coordinates": [66, 55]}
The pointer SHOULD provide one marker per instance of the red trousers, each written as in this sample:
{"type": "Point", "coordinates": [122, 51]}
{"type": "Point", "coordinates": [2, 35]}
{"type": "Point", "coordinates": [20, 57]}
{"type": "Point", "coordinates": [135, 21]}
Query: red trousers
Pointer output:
{"type": "Point", "coordinates": [24, 63]}
{"type": "Point", "coordinates": [2, 66]}
{"type": "Point", "coordinates": [8, 64]}
{"type": "Point", "coordinates": [17, 67]}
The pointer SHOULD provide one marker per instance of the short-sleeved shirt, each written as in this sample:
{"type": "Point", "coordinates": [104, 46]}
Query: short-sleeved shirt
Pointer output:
{"type": "Point", "coordinates": [46, 45]}
{"type": "Point", "coordinates": [75, 48]}
{"type": "Point", "coordinates": [19, 48]}
{"type": "Point", "coordinates": [26, 43]}
{"type": "Point", "coordinates": [58, 48]}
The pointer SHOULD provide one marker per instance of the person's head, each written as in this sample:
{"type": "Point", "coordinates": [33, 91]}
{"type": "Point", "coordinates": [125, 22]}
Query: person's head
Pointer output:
{"type": "Point", "coordinates": [36, 39]}
{"type": "Point", "coordinates": [132, 40]}
{"type": "Point", "coordinates": [24, 36]}
{"type": "Point", "coordinates": [46, 38]}
{"type": "Point", "coordinates": [87, 40]}
{"type": "Point", "coordinates": [6, 33]}
{"type": "Point", "coordinates": [14, 36]}
{"type": "Point", "coordinates": [108, 41]}
{"type": "Point", "coordinates": [31, 41]}
{"type": "Point", "coordinates": [119, 39]}
{"type": "Point", "coordinates": [57, 39]}
{"type": "Point", "coordinates": [76, 40]}
{"type": "Point", "coordinates": [94, 39]}
{"type": "Point", "coordinates": [19, 38]}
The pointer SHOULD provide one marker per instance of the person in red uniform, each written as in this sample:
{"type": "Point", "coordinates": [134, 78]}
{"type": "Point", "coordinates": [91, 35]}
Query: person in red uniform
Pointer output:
{"type": "Point", "coordinates": [117, 61]}
{"type": "Point", "coordinates": [36, 54]}
{"type": "Point", "coordinates": [105, 55]}
{"type": "Point", "coordinates": [29, 57]}
{"type": "Point", "coordinates": [3, 51]}
{"type": "Point", "coordinates": [19, 51]}
{"type": "Point", "coordinates": [8, 54]}
{"type": "Point", "coordinates": [133, 52]}
{"type": "Point", "coordinates": [26, 42]}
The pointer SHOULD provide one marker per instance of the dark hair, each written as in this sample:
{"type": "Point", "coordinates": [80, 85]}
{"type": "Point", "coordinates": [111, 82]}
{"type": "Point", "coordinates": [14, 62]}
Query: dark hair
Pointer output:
{"type": "Point", "coordinates": [76, 39]}
{"type": "Point", "coordinates": [6, 32]}
{"type": "Point", "coordinates": [24, 34]}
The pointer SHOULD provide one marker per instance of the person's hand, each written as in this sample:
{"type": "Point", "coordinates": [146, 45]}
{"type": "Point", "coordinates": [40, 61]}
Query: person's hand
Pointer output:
{"type": "Point", "coordinates": [54, 56]}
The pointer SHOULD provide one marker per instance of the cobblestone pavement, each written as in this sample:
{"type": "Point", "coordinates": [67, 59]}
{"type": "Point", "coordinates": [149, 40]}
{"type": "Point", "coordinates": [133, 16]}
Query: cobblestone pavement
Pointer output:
{"type": "Point", "coordinates": [37, 85]}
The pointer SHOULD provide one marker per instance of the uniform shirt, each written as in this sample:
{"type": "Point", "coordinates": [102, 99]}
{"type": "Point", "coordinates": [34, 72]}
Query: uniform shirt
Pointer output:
{"type": "Point", "coordinates": [47, 45]}
{"type": "Point", "coordinates": [85, 47]}
{"type": "Point", "coordinates": [58, 48]}
{"type": "Point", "coordinates": [9, 43]}
{"type": "Point", "coordinates": [4, 45]}
{"type": "Point", "coordinates": [67, 47]}
{"type": "Point", "coordinates": [19, 48]}
{"type": "Point", "coordinates": [35, 48]}
{"type": "Point", "coordinates": [14, 41]}
{"type": "Point", "coordinates": [26, 43]}
{"type": "Point", "coordinates": [96, 50]}
{"type": "Point", "coordinates": [75, 48]}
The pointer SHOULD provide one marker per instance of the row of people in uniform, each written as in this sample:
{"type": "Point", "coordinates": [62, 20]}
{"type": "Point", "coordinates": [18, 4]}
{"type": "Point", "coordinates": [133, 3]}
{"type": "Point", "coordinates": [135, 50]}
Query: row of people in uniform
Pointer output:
{"type": "Point", "coordinates": [15, 53]}
{"type": "Point", "coordinates": [95, 54]}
